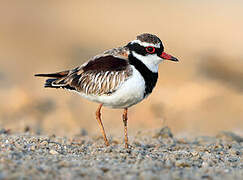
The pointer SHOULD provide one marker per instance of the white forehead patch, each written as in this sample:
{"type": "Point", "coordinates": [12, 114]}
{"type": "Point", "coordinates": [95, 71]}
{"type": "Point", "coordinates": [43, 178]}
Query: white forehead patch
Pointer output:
{"type": "Point", "coordinates": [145, 44]}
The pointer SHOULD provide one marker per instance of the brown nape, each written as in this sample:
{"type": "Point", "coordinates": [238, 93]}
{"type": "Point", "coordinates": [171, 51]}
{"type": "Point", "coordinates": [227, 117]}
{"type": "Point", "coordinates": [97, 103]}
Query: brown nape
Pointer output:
{"type": "Point", "coordinates": [149, 38]}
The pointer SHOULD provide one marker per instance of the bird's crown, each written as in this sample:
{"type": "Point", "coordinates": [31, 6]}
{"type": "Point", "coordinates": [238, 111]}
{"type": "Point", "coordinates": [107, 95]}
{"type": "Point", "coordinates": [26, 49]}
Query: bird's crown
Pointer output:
{"type": "Point", "coordinates": [148, 38]}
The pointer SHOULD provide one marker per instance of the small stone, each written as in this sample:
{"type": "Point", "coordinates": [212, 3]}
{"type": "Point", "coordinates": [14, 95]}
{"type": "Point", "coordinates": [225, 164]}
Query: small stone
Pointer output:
{"type": "Point", "coordinates": [32, 148]}
{"type": "Point", "coordinates": [181, 141]}
{"type": "Point", "coordinates": [104, 169]}
{"type": "Point", "coordinates": [182, 163]}
{"type": "Point", "coordinates": [4, 131]}
{"type": "Point", "coordinates": [205, 164]}
{"type": "Point", "coordinates": [206, 156]}
{"type": "Point", "coordinates": [233, 159]}
{"type": "Point", "coordinates": [164, 133]}
{"type": "Point", "coordinates": [53, 152]}
{"type": "Point", "coordinates": [194, 153]}
{"type": "Point", "coordinates": [83, 132]}
{"type": "Point", "coordinates": [234, 152]}
{"type": "Point", "coordinates": [63, 164]}
{"type": "Point", "coordinates": [44, 143]}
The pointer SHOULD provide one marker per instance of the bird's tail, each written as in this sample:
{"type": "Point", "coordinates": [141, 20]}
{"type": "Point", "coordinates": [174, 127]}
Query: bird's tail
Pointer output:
{"type": "Point", "coordinates": [54, 75]}
{"type": "Point", "coordinates": [55, 80]}
{"type": "Point", "coordinates": [48, 83]}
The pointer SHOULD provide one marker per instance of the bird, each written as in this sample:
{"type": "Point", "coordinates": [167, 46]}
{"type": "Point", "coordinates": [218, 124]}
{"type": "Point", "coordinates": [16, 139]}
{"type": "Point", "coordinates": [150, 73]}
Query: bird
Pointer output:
{"type": "Point", "coordinates": [118, 78]}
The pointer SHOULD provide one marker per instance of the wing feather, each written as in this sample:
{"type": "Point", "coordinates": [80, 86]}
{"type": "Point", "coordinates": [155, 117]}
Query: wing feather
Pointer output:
{"type": "Point", "coordinates": [103, 74]}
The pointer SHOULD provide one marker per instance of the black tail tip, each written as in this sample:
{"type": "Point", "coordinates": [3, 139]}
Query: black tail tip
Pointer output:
{"type": "Point", "coordinates": [49, 83]}
{"type": "Point", "coordinates": [39, 75]}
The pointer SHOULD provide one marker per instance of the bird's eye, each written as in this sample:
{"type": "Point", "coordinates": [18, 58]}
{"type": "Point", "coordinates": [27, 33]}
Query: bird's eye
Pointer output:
{"type": "Point", "coordinates": [150, 49]}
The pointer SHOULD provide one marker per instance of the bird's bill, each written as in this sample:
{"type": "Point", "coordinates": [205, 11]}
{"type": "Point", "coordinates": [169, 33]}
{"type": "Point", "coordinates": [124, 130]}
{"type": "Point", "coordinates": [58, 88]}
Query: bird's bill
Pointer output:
{"type": "Point", "coordinates": [168, 57]}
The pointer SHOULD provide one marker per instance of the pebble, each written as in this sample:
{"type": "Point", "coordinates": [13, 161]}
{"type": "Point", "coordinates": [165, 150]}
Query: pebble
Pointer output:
{"type": "Point", "coordinates": [153, 155]}
{"type": "Point", "coordinates": [32, 148]}
{"type": "Point", "coordinates": [53, 152]}
{"type": "Point", "coordinates": [182, 163]}
{"type": "Point", "coordinates": [44, 143]}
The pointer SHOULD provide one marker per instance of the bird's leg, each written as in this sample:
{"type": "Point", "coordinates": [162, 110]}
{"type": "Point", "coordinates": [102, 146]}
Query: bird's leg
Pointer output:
{"type": "Point", "coordinates": [98, 114]}
{"type": "Point", "coordinates": [124, 117]}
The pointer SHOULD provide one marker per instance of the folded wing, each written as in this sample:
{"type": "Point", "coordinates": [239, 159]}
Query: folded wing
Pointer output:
{"type": "Point", "coordinates": [101, 75]}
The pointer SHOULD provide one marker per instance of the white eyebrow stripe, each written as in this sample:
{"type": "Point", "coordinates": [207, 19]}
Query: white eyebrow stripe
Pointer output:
{"type": "Point", "coordinates": [145, 44]}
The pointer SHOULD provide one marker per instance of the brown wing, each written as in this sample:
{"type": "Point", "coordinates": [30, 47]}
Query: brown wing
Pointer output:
{"type": "Point", "coordinates": [101, 75]}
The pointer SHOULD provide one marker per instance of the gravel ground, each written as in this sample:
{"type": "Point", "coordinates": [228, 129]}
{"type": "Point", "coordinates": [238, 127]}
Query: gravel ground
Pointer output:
{"type": "Point", "coordinates": [152, 155]}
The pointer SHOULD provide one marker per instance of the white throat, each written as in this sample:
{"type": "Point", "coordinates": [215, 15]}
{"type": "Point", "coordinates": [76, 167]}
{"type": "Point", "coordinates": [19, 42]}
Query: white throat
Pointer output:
{"type": "Point", "coordinates": [151, 61]}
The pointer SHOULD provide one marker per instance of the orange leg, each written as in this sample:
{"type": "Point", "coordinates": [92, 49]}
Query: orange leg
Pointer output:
{"type": "Point", "coordinates": [124, 117]}
{"type": "Point", "coordinates": [98, 114]}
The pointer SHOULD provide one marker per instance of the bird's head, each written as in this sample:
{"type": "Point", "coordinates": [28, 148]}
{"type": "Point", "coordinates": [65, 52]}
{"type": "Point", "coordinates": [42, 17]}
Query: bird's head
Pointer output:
{"type": "Point", "coordinates": [149, 49]}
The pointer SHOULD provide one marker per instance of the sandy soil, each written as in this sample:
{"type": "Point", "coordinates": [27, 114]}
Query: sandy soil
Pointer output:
{"type": "Point", "coordinates": [152, 155]}
{"type": "Point", "coordinates": [200, 95]}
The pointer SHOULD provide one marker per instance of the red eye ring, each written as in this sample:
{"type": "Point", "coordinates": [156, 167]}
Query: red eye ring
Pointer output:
{"type": "Point", "coordinates": [150, 49]}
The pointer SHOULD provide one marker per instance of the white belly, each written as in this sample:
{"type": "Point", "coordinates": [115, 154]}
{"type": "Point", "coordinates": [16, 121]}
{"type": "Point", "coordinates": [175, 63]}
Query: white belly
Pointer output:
{"type": "Point", "coordinates": [131, 92]}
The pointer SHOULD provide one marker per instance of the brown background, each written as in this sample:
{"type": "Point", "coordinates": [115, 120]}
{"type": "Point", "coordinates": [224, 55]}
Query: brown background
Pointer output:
{"type": "Point", "coordinates": [201, 95]}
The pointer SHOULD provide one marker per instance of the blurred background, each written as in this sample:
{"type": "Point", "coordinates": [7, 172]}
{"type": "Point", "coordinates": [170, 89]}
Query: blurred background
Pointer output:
{"type": "Point", "coordinates": [200, 95]}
